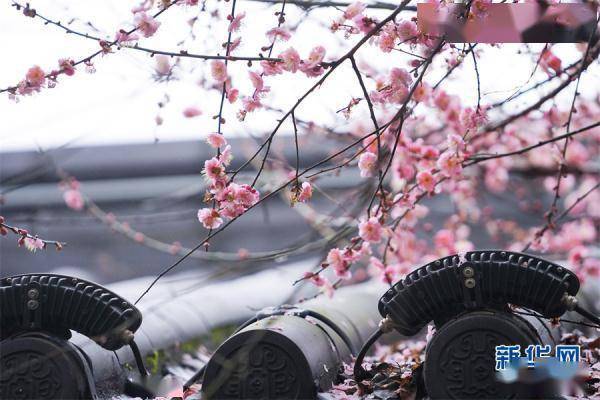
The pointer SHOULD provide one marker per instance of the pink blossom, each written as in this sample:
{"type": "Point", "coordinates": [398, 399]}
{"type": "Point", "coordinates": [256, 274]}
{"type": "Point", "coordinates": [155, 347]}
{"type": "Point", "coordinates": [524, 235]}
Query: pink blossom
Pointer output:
{"type": "Point", "coordinates": [365, 24]}
{"type": "Point", "coordinates": [449, 164]}
{"type": "Point", "coordinates": [314, 58]}
{"type": "Point", "coordinates": [367, 163]}
{"type": "Point", "coordinates": [210, 218]}
{"type": "Point", "coordinates": [444, 239]}
{"type": "Point", "coordinates": [123, 37]}
{"type": "Point", "coordinates": [370, 230]}
{"type": "Point", "coordinates": [216, 140]}
{"type": "Point", "coordinates": [407, 30]}
{"type": "Point", "coordinates": [291, 60]}
{"type": "Point", "coordinates": [73, 199]}
{"type": "Point", "coordinates": [279, 32]}
{"type": "Point", "coordinates": [146, 24]}
{"type": "Point", "coordinates": [236, 22]}
{"type": "Point", "coordinates": [218, 70]}
{"type": "Point", "coordinates": [456, 143]}
{"type": "Point", "coordinates": [251, 103]}
{"type": "Point", "coordinates": [226, 155]}
{"type": "Point", "coordinates": [232, 95]}
{"type": "Point", "coordinates": [246, 195]}
{"type": "Point", "coordinates": [399, 77]}
{"type": "Point", "coordinates": [232, 210]}
{"type": "Point", "coordinates": [271, 67]}
{"type": "Point", "coordinates": [422, 92]}
{"type": "Point", "coordinates": [426, 181]}
{"type": "Point", "coordinates": [191, 112]}
{"type": "Point", "coordinates": [35, 76]}
{"type": "Point", "coordinates": [66, 66]}
{"type": "Point", "coordinates": [33, 244]}
{"type": "Point", "coordinates": [213, 169]}
{"type": "Point", "coordinates": [257, 81]}
{"type": "Point", "coordinates": [341, 267]}
{"type": "Point", "coordinates": [354, 9]}
{"type": "Point", "coordinates": [163, 64]}
{"type": "Point", "coordinates": [312, 72]}
{"type": "Point", "coordinates": [305, 192]}
{"type": "Point", "coordinates": [387, 39]}
{"type": "Point", "coordinates": [387, 273]}
{"type": "Point", "coordinates": [442, 100]}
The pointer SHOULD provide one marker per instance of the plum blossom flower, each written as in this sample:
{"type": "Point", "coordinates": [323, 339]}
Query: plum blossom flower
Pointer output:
{"type": "Point", "coordinates": [370, 230]}
{"type": "Point", "coordinates": [271, 67]}
{"type": "Point", "coordinates": [355, 9]}
{"type": "Point", "coordinates": [121, 37]}
{"type": "Point", "coordinates": [33, 244]}
{"type": "Point", "coordinates": [291, 60]}
{"type": "Point", "coordinates": [218, 71]}
{"type": "Point", "coordinates": [191, 112]}
{"type": "Point", "coordinates": [210, 218]}
{"type": "Point", "coordinates": [163, 65]}
{"type": "Point", "coordinates": [236, 22]}
{"type": "Point", "coordinates": [232, 95]}
{"type": "Point", "coordinates": [367, 163]}
{"type": "Point", "coordinates": [35, 76]}
{"type": "Point", "coordinates": [213, 169]}
{"type": "Point", "coordinates": [281, 33]}
{"type": "Point", "coordinates": [387, 272]}
{"type": "Point", "coordinates": [216, 140]}
{"type": "Point", "coordinates": [146, 23]}
{"type": "Point", "coordinates": [66, 66]}
{"type": "Point", "coordinates": [315, 57]}
{"type": "Point", "coordinates": [337, 260]}
{"type": "Point", "coordinates": [257, 81]}
{"type": "Point", "coordinates": [246, 195]}
{"type": "Point", "coordinates": [407, 30]}
{"type": "Point", "coordinates": [426, 181]}
{"type": "Point", "coordinates": [226, 155]}
{"type": "Point", "coordinates": [251, 103]}
{"type": "Point", "coordinates": [449, 164]}
{"type": "Point", "coordinates": [306, 192]}
{"type": "Point", "coordinates": [73, 199]}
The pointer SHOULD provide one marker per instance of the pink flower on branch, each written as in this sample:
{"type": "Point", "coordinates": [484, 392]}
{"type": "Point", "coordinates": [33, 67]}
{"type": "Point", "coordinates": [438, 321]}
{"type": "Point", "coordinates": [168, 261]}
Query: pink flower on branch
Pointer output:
{"type": "Point", "coordinates": [146, 23]}
{"type": "Point", "coordinates": [191, 112]}
{"type": "Point", "coordinates": [210, 218]}
{"type": "Point", "coordinates": [291, 60]}
{"type": "Point", "coordinates": [367, 162]}
{"type": "Point", "coordinates": [278, 33]}
{"type": "Point", "coordinates": [34, 244]}
{"type": "Point", "coordinates": [450, 164]}
{"type": "Point", "coordinates": [213, 169]}
{"type": "Point", "coordinates": [73, 199]}
{"type": "Point", "coordinates": [235, 22]}
{"type": "Point", "coordinates": [426, 181]}
{"type": "Point", "coordinates": [370, 230]}
{"type": "Point", "coordinates": [35, 76]}
{"type": "Point", "coordinates": [218, 71]}
{"type": "Point", "coordinates": [306, 192]}
{"type": "Point", "coordinates": [216, 140]}
{"type": "Point", "coordinates": [355, 9]}
{"type": "Point", "coordinates": [337, 260]}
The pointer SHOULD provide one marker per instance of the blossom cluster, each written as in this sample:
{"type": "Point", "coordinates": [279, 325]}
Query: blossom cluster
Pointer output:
{"type": "Point", "coordinates": [230, 199]}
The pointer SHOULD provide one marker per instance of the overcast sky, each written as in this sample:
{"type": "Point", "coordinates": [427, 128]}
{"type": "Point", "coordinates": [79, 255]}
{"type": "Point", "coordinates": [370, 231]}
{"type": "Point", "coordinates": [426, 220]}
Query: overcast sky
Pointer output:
{"type": "Point", "coordinates": [118, 103]}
